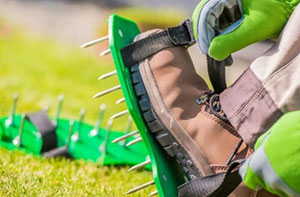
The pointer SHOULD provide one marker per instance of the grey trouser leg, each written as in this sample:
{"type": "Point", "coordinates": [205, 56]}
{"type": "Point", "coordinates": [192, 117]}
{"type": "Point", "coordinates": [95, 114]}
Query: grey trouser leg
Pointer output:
{"type": "Point", "coordinates": [269, 88]}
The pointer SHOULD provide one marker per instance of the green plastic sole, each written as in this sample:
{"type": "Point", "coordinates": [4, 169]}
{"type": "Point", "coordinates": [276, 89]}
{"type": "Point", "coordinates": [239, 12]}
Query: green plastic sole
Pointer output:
{"type": "Point", "coordinates": [165, 169]}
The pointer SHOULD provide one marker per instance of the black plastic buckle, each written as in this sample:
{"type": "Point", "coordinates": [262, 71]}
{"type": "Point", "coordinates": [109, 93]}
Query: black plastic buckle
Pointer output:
{"type": "Point", "coordinates": [182, 35]}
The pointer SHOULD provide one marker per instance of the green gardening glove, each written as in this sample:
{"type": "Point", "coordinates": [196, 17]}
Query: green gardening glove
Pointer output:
{"type": "Point", "coordinates": [275, 164]}
{"type": "Point", "coordinates": [223, 27]}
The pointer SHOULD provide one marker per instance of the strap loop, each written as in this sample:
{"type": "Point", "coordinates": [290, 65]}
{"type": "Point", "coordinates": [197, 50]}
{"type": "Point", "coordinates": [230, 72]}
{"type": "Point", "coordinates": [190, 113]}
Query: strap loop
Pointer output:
{"type": "Point", "coordinates": [182, 35]}
{"type": "Point", "coordinates": [217, 185]}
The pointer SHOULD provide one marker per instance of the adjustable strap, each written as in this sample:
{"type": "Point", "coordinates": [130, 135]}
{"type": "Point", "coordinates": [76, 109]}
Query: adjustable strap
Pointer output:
{"type": "Point", "coordinates": [181, 35]}
{"type": "Point", "coordinates": [216, 73]}
{"type": "Point", "coordinates": [217, 185]}
{"type": "Point", "coordinates": [43, 124]}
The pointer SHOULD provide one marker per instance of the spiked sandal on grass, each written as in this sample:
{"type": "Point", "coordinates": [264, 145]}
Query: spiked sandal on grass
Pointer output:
{"type": "Point", "coordinates": [194, 151]}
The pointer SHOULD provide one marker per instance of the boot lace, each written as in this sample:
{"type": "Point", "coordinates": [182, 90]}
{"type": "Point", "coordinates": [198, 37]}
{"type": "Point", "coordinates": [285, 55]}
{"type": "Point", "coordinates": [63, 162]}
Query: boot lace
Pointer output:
{"type": "Point", "coordinates": [212, 100]}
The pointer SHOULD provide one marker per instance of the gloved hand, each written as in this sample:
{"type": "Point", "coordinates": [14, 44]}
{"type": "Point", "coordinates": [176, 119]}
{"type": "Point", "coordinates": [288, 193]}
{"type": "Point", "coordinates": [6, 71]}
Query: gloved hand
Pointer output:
{"type": "Point", "coordinates": [275, 164]}
{"type": "Point", "coordinates": [226, 26]}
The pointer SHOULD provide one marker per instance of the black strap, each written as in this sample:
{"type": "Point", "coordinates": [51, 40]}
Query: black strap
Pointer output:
{"type": "Point", "coordinates": [216, 73]}
{"type": "Point", "coordinates": [43, 124]}
{"type": "Point", "coordinates": [181, 35]}
{"type": "Point", "coordinates": [217, 185]}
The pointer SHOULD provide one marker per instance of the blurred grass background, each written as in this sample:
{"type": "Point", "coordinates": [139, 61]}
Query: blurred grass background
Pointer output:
{"type": "Point", "coordinates": [40, 68]}
{"type": "Point", "coordinates": [40, 59]}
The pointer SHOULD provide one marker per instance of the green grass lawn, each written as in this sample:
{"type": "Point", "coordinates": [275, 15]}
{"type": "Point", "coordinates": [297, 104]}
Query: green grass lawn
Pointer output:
{"type": "Point", "coordinates": [40, 69]}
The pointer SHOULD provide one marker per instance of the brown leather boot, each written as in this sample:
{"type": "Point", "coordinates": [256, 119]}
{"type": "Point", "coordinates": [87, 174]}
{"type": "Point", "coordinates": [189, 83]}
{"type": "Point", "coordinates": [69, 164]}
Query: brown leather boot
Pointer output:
{"type": "Point", "coordinates": [185, 116]}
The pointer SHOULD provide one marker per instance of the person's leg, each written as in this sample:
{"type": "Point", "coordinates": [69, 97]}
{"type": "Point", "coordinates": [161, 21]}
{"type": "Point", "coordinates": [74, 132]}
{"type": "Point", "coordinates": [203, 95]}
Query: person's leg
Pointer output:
{"type": "Point", "coordinates": [269, 88]}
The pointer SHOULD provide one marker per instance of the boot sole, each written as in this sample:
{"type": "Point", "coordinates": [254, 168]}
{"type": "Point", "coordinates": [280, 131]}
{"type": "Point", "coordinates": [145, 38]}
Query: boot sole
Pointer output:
{"type": "Point", "coordinates": [161, 133]}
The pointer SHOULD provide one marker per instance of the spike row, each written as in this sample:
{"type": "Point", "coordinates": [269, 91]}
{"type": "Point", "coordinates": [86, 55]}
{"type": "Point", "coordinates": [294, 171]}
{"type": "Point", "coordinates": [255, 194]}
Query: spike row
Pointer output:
{"type": "Point", "coordinates": [139, 139]}
{"type": "Point", "coordinates": [138, 188]}
{"type": "Point", "coordinates": [91, 43]}
{"type": "Point", "coordinates": [100, 94]}
{"type": "Point", "coordinates": [106, 52]}
{"type": "Point", "coordinates": [18, 140]}
{"type": "Point", "coordinates": [95, 131]}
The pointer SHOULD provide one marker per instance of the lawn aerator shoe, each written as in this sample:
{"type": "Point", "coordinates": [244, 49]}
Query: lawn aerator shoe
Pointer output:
{"type": "Point", "coordinates": [189, 124]}
{"type": "Point", "coordinates": [179, 118]}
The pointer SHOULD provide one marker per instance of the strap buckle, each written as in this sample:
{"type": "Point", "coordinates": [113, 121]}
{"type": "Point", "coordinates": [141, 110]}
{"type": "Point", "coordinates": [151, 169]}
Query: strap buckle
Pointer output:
{"type": "Point", "coordinates": [182, 35]}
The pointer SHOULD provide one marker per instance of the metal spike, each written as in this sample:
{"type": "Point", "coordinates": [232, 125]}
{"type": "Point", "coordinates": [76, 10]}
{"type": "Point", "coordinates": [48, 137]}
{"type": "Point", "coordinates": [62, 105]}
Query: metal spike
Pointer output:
{"type": "Point", "coordinates": [127, 129]}
{"type": "Point", "coordinates": [10, 120]}
{"type": "Point", "coordinates": [91, 43]}
{"type": "Point", "coordinates": [135, 141]}
{"type": "Point", "coordinates": [76, 136]}
{"type": "Point", "coordinates": [154, 193]}
{"type": "Point", "coordinates": [71, 126]}
{"type": "Point", "coordinates": [117, 115]}
{"type": "Point", "coordinates": [138, 188]}
{"type": "Point", "coordinates": [124, 137]}
{"type": "Point", "coordinates": [110, 74]}
{"type": "Point", "coordinates": [107, 91]}
{"type": "Point", "coordinates": [58, 109]}
{"type": "Point", "coordinates": [122, 100]}
{"type": "Point", "coordinates": [18, 140]}
{"type": "Point", "coordinates": [46, 108]}
{"type": "Point", "coordinates": [95, 131]}
{"type": "Point", "coordinates": [139, 166]}
{"type": "Point", "coordinates": [106, 52]}
{"type": "Point", "coordinates": [129, 124]}
{"type": "Point", "coordinates": [103, 147]}
{"type": "Point", "coordinates": [82, 115]}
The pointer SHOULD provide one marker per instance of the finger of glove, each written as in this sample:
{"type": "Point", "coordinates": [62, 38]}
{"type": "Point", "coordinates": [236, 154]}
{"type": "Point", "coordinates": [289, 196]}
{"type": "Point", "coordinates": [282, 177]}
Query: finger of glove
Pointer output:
{"type": "Point", "coordinates": [259, 25]}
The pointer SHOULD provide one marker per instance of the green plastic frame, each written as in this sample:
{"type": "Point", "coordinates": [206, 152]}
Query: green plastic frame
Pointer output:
{"type": "Point", "coordinates": [86, 147]}
{"type": "Point", "coordinates": [166, 172]}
